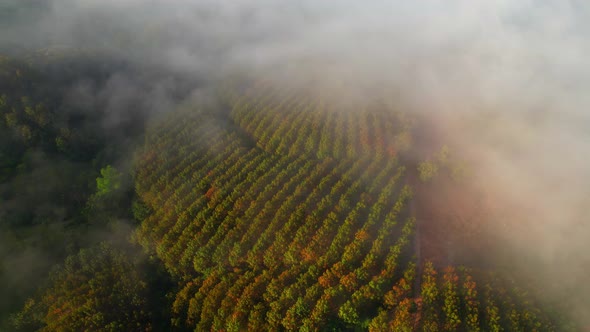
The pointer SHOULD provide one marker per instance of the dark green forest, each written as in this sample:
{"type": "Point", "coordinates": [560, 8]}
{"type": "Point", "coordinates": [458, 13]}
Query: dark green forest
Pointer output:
{"type": "Point", "coordinates": [260, 209]}
{"type": "Point", "coordinates": [65, 196]}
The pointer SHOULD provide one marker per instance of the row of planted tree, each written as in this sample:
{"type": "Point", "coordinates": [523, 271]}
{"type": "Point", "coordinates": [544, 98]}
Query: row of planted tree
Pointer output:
{"type": "Point", "coordinates": [289, 215]}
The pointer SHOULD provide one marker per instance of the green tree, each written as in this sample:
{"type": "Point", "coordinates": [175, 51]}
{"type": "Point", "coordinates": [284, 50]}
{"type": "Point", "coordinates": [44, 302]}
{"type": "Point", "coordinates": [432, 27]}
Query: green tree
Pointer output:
{"type": "Point", "coordinates": [109, 181]}
{"type": "Point", "coordinates": [427, 170]}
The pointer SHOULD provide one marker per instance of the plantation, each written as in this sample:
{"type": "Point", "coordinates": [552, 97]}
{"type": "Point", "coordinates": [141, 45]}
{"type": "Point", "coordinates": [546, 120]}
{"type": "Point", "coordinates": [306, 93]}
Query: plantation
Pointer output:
{"type": "Point", "coordinates": [281, 213]}
{"type": "Point", "coordinates": [294, 166]}
{"type": "Point", "coordinates": [260, 209]}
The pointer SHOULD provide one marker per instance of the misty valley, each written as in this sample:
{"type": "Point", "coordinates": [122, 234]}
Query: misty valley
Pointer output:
{"type": "Point", "coordinates": [297, 166]}
{"type": "Point", "coordinates": [259, 209]}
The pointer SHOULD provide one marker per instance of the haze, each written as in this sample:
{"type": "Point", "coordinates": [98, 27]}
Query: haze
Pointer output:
{"type": "Point", "coordinates": [504, 82]}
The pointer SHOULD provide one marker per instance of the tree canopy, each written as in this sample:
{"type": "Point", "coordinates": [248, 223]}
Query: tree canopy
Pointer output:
{"type": "Point", "coordinates": [99, 289]}
{"type": "Point", "coordinates": [109, 181]}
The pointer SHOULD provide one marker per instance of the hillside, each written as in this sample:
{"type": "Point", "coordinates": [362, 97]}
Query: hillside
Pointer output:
{"type": "Point", "coordinates": [274, 211]}
{"type": "Point", "coordinates": [299, 165]}
{"type": "Point", "coordinates": [255, 207]}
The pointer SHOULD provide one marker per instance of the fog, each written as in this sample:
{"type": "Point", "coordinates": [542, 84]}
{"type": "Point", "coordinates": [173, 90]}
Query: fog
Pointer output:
{"type": "Point", "coordinates": [506, 83]}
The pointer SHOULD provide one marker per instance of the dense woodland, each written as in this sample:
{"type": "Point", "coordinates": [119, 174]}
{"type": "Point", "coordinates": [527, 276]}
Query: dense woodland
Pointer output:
{"type": "Point", "coordinates": [261, 209]}
{"type": "Point", "coordinates": [62, 185]}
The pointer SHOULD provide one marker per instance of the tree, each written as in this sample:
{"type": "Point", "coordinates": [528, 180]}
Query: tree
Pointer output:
{"type": "Point", "coordinates": [140, 210]}
{"type": "Point", "coordinates": [109, 181]}
{"type": "Point", "coordinates": [111, 200]}
{"type": "Point", "coordinates": [427, 170]}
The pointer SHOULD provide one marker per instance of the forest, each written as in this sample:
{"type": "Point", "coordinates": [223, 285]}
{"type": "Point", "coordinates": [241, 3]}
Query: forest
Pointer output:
{"type": "Point", "coordinates": [259, 210]}
{"type": "Point", "coordinates": [61, 197]}
{"type": "Point", "coordinates": [258, 165]}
